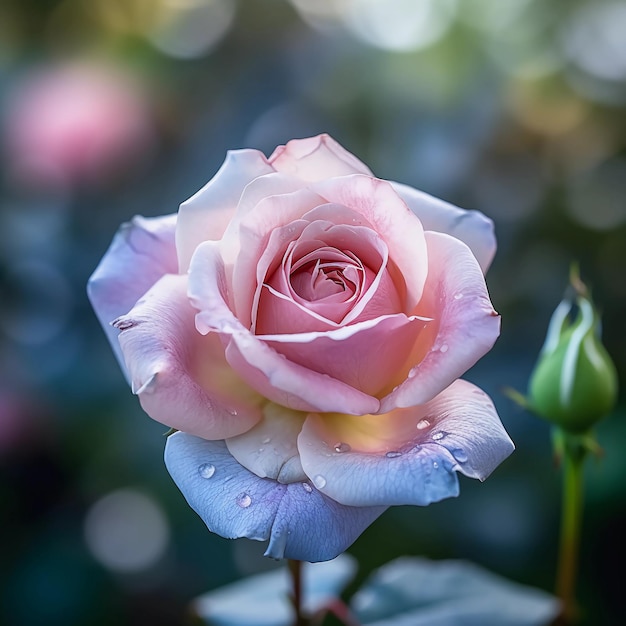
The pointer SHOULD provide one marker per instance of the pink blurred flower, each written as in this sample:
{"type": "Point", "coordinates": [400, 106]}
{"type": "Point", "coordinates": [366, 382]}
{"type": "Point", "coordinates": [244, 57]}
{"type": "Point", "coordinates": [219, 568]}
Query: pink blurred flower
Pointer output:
{"type": "Point", "coordinates": [317, 319]}
{"type": "Point", "coordinates": [75, 123]}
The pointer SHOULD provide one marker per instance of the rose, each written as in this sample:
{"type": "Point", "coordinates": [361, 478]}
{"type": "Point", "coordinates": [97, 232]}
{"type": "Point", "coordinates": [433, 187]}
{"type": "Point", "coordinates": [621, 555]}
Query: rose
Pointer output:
{"type": "Point", "coordinates": [304, 323]}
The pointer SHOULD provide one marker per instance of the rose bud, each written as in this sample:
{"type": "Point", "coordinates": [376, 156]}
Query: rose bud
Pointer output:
{"type": "Point", "coordinates": [574, 383]}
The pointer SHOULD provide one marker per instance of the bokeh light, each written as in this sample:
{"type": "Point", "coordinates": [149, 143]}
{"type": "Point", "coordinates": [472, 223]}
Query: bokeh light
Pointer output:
{"type": "Point", "coordinates": [127, 531]}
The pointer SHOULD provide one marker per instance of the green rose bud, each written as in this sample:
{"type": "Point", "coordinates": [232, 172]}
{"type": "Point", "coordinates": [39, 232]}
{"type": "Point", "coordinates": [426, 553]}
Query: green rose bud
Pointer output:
{"type": "Point", "coordinates": [574, 383]}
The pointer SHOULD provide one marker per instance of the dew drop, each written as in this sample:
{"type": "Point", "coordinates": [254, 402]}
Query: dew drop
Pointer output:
{"type": "Point", "coordinates": [319, 481]}
{"type": "Point", "coordinates": [393, 454]}
{"type": "Point", "coordinates": [439, 435]}
{"type": "Point", "coordinates": [460, 455]}
{"type": "Point", "coordinates": [267, 440]}
{"type": "Point", "coordinates": [233, 411]}
{"type": "Point", "coordinates": [423, 424]}
{"type": "Point", "coordinates": [435, 464]}
{"type": "Point", "coordinates": [458, 296]}
{"type": "Point", "coordinates": [444, 348]}
{"type": "Point", "coordinates": [307, 487]}
{"type": "Point", "coordinates": [342, 447]}
{"type": "Point", "coordinates": [412, 373]}
{"type": "Point", "coordinates": [244, 500]}
{"type": "Point", "coordinates": [206, 470]}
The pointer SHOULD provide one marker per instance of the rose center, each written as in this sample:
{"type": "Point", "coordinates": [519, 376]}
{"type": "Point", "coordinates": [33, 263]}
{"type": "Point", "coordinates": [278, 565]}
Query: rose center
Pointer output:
{"type": "Point", "coordinates": [320, 279]}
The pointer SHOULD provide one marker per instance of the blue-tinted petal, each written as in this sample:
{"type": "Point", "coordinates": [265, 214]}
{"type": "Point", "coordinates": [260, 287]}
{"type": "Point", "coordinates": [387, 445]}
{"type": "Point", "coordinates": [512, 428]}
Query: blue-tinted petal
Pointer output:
{"type": "Point", "coordinates": [299, 521]}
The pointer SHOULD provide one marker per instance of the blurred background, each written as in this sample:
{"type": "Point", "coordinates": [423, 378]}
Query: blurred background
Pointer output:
{"type": "Point", "coordinates": [111, 108]}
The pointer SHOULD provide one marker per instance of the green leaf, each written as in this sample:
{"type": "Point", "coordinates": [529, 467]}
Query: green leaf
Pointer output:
{"type": "Point", "coordinates": [419, 592]}
{"type": "Point", "coordinates": [264, 599]}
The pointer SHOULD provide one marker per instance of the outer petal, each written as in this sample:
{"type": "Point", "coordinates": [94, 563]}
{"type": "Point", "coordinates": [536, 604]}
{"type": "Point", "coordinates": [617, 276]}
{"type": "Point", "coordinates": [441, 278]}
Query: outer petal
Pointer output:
{"type": "Point", "coordinates": [408, 456]}
{"type": "Point", "coordinates": [264, 369]}
{"type": "Point", "coordinates": [316, 158]}
{"type": "Point", "coordinates": [181, 377]}
{"type": "Point", "coordinates": [299, 521]}
{"type": "Point", "coordinates": [207, 213]}
{"type": "Point", "coordinates": [390, 217]}
{"type": "Point", "coordinates": [270, 449]}
{"type": "Point", "coordinates": [456, 298]}
{"type": "Point", "coordinates": [142, 251]}
{"type": "Point", "coordinates": [471, 227]}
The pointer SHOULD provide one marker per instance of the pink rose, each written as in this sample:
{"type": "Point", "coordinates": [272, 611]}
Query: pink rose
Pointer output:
{"type": "Point", "coordinates": [305, 323]}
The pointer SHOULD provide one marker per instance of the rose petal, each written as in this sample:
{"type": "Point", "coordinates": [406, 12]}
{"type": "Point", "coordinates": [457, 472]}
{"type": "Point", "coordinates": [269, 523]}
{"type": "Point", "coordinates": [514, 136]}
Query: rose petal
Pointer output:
{"type": "Point", "coordinates": [142, 251]}
{"type": "Point", "coordinates": [270, 449]}
{"type": "Point", "coordinates": [408, 456]}
{"type": "Point", "coordinates": [270, 213]}
{"type": "Point", "coordinates": [281, 309]}
{"type": "Point", "coordinates": [369, 356]}
{"type": "Point", "coordinates": [471, 227]}
{"type": "Point", "coordinates": [394, 222]}
{"type": "Point", "coordinates": [354, 234]}
{"type": "Point", "coordinates": [298, 520]}
{"type": "Point", "coordinates": [316, 158]}
{"type": "Point", "coordinates": [181, 377]}
{"type": "Point", "coordinates": [261, 188]}
{"type": "Point", "coordinates": [207, 213]}
{"type": "Point", "coordinates": [270, 373]}
{"type": "Point", "coordinates": [466, 326]}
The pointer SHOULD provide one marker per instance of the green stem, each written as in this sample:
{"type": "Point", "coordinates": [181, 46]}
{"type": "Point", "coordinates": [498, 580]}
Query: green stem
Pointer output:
{"type": "Point", "coordinates": [571, 518]}
{"type": "Point", "coordinates": [295, 569]}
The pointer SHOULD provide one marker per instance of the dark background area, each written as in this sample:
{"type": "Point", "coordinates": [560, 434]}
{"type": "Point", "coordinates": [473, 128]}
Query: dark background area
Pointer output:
{"type": "Point", "coordinates": [111, 108]}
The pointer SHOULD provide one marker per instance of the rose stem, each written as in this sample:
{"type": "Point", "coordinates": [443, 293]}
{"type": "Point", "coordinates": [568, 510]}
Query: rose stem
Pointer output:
{"type": "Point", "coordinates": [571, 518]}
{"type": "Point", "coordinates": [295, 569]}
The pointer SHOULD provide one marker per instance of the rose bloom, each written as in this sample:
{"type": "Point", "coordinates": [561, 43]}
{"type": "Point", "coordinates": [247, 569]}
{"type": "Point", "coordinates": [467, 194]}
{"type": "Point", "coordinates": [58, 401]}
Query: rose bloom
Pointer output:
{"type": "Point", "coordinates": [304, 325]}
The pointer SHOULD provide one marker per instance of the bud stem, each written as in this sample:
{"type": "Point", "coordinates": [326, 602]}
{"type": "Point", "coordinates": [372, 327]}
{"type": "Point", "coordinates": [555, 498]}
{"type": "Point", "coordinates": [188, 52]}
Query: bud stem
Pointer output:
{"type": "Point", "coordinates": [574, 452]}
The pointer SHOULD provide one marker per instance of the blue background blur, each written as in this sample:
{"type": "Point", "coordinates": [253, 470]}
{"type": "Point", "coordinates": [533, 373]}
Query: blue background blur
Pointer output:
{"type": "Point", "coordinates": [514, 107]}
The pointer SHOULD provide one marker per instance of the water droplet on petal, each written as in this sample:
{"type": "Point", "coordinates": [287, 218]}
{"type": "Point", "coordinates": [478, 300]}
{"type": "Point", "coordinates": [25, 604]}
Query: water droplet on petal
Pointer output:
{"type": "Point", "coordinates": [206, 470]}
{"type": "Point", "coordinates": [412, 373]}
{"type": "Point", "coordinates": [423, 424]}
{"type": "Point", "coordinates": [393, 454]}
{"type": "Point", "coordinates": [444, 348]}
{"type": "Point", "coordinates": [439, 435]}
{"type": "Point", "coordinates": [267, 440]}
{"type": "Point", "coordinates": [435, 464]}
{"type": "Point", "coordinates": [244, 500]}
{"type": "Point", "coordinates": [233, 411]}
{"type": "Point", "coordinates": [458, 296]}
{"type": "Point", "coordinates": [342, 447]}
{"type": "Point", "coordinates": [460, 455]}
{"type": "Point", "coordinates": [319, 481]}
{"type": "Point", "coordinates": [307, 487]}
